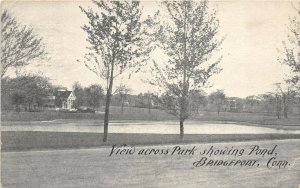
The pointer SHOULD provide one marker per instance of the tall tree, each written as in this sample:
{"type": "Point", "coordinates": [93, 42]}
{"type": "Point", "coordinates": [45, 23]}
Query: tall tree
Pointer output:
{"type": "Point", "coordinates": [197, 100]}
{"type": "Point", "coordinates": [271, 103]}
{"type": "Point", "coordinates": [94, 94]}
{"type": "Point", "coordinates": [118, 42]}
{"type": "Point", "coordinates": [27, 89]}
{"type": "Point", "coordinates": [284, 98]}
{"type": "Point", "coordinates": [80, 95]}
{"type": "Point", "coordinates": [291, 49]}
{"type": "Point", "coordinates": [217, 99]}
{"type": "Point", "coordinates": [188, 35]}
{"type": "Point", "coordinates": [19, 44]}
{"type": "Point", "coordinates": [17, 99]}
{"type": "Point", "coordinates": [36, 88]}
{"type": "Point", "coordinates": [123, 91]}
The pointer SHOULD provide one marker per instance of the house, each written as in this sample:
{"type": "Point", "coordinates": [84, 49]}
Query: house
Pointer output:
{"type": "Point", "coordinates": [59, 100]}
{"type": "Point", "coordinates": [64, 100]}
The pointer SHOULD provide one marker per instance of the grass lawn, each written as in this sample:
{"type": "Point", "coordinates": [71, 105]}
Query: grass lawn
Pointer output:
{"type": "Point", "coordinates": [20, 141]}
{"type": "Point", "coordinates": [131, 113]}
{"type": "Point", "coordinates": [255, 118]}
{"type": "Point", "coordinates": [94, 168]}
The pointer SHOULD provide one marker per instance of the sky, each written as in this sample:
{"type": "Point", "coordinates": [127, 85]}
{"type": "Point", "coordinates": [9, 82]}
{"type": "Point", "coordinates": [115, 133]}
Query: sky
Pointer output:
{"type": "Point", "coordinates": [253, 30]}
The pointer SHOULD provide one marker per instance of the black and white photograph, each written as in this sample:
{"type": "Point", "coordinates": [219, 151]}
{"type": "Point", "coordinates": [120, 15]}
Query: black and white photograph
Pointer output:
{"type": "Point", "coordinates": [158, 94]}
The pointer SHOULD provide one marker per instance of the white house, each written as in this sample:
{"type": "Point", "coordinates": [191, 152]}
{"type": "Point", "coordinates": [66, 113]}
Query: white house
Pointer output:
{"type": "Point", "coordinates": [64, 100]}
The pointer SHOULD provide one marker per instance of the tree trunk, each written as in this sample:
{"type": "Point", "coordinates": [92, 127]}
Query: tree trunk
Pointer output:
{"type": "Point", "coordinates": [182, 115]}
{"type": "Point", "coordinates": [107, 103]}
{"type": "Point", "coordinates": [285, 106]}
{"type": "Point", "coordinates": [185, 88]}
{"type": "Point", "coordinates": [285, 111]}
{"type": "Point", "coordinates": [106, 115]}
{"type": "Point", "coordinates": [122, 106]}
{"type": "Point", "coordinates": [149, 105]}
{"type": "Point", "coordinates": [181, 129]}
{"type": "Point", "coordinates": [278, 107]}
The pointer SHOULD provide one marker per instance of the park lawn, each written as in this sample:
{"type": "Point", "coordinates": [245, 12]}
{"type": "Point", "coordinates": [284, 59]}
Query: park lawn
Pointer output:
{"type": "Point", "coordinates": [95, 168]}
{"type": "Point", "coordinates": [142, 114]}
{"type": "Point", "coordinates": [21, 140]}
{"type": "Point", "coordinates": [244, 117]}
{"type": "Point", "coordinates": [129, 113]}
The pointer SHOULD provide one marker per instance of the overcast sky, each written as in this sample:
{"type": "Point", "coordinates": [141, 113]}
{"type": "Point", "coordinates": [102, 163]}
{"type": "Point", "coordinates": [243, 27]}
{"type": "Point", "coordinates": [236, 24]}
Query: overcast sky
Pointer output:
{"type": "Point", "coordinates": [254, 31]}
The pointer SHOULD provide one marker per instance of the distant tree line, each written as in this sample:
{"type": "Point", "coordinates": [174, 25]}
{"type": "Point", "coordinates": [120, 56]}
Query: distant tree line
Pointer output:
{"type": "Point", "coordinates": [88, 97]}
{"type": "Point", "coordinates": [30, 90]}
{"type": "Point", "coordinates": [278, 103]}
{"type": "Point", "coordinates": [27, 90]}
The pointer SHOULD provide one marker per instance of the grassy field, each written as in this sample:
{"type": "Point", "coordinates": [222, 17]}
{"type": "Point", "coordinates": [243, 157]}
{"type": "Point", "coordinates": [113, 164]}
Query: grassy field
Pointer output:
{"type": "Point", "coordinates": [20, 141]}
{"type": "Point", "coordinates": [256, 118]}
{"type": "Point", "coordinates": [131, 113]}
{"type": "Point", "coordinates": [94, 168]}
{"type": "Point", "coordinates": [46, 116]}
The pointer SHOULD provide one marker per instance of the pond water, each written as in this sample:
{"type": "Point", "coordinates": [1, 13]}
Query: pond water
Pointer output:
{"type": "Point", "coordinates": [146, 127]}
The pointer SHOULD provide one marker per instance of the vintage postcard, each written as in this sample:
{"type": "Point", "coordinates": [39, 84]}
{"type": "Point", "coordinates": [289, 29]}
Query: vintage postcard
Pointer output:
{"type": "Point", "coordinates": [127, 93]}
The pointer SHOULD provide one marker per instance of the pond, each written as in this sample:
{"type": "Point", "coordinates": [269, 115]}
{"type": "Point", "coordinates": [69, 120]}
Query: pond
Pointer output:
{"type": "Point", "coordinates": [148, 127]}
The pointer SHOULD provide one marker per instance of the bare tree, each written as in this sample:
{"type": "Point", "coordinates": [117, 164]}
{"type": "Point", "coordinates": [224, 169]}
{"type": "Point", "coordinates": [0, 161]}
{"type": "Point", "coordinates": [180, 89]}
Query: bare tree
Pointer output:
{"type": "Point", "coordinates": [118, 42]}
{"type": "Point", "coordinates": [188, 35]}
{"type": "Point", "coordinates": [19, 44]}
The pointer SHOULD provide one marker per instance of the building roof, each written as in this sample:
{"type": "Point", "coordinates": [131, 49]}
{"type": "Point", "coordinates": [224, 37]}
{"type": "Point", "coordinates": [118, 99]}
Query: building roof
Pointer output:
{"type": "Point", "coordinates": [62, 95]}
